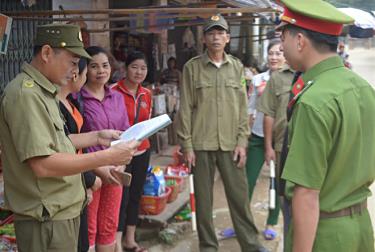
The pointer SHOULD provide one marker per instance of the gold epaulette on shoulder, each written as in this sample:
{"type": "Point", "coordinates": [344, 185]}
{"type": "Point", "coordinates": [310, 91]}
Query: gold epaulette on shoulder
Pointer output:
{"type": "Point", "coordinates": [28, 83]}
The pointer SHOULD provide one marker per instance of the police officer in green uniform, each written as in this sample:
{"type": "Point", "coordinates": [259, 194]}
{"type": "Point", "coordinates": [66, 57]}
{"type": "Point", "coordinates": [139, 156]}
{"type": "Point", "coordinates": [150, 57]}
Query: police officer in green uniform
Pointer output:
{"type": "Point", "coordinates": [330, 163]}
{"type": "Point", "coordinates": [213, 131]}
{"type": "Point", "coordinates": [43, 185]}
{"type": "Point", "coordinates": [273, 103]}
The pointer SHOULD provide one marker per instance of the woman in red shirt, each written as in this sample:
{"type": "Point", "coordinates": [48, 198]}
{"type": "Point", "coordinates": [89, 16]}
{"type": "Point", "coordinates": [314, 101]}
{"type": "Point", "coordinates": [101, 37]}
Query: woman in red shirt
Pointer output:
{"type": "Point", "coordinates": [138, 103]}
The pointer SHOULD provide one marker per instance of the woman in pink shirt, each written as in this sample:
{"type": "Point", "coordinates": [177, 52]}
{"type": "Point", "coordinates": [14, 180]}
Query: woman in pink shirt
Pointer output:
{"type": "Point", "coordinates": [103, 108]}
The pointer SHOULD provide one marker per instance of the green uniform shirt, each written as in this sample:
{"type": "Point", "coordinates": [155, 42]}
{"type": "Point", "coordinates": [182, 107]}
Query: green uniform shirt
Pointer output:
{"type": "Point", "coordinates": [31, 126]}
{"type": "Point", "coordinates": [274, 102]}
{"type": "Point", "coordinates": [213, 106]}
{"type": "Point", "coordinates": [332, 134]}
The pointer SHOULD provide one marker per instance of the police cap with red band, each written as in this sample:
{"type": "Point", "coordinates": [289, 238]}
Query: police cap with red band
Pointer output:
{"type": "Point", "coordinates": [314, 15]}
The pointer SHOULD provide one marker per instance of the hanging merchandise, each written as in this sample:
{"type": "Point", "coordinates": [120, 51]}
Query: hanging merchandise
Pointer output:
{"type": "Point", "coordinates": [28, 3]}
{"type": "Point", "coordinates": [171, 51]}
{"type": "Point", "coordinates": [5, 29]}
{"type": "Point", "coordinates": [155, 54]}
{"type": "Point", "coordinates": [164, 60]}
{"type": "Point", "coordinates": [188, 39]}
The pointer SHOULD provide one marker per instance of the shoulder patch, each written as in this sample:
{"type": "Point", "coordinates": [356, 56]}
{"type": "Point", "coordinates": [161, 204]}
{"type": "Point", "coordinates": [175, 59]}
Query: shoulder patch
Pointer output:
{"type": "Point", "coordinates": [28, 83]}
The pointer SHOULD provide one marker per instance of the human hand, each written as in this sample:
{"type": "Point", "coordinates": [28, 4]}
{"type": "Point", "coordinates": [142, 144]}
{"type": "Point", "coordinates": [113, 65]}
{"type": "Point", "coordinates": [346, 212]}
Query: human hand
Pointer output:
{"type": "Point", "coordinates": [104, 172]}
{"type": "Point", "coordinates": [269, 155]}
{"type": "Point", "coordinates": [123, 152]}
{"type": "Point", "coordinates": [89, 195]}
{"type": "Point", "coordinates": [105, 137]}
{"type": "Point", "coordinates": [97, 184]}
{"type": "Point", "coordinates": [190, 159]}
{"type": "Point", "coordinates": [239, 156]}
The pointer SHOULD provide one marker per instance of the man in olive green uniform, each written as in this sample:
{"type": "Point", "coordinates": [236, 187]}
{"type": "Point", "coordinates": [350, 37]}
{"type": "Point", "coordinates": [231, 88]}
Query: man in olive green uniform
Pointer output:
{"type": "Point", "coordinates": [331, 161]}
{"type": "Point", "coordinates": [213, 131]}
{"type": "Point", "coordinates": [43, 185]}
{"type": "Point", "coordinates": [273, 103]}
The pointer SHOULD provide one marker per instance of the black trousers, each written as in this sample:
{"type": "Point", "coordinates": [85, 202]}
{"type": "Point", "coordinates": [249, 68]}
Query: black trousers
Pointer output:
{"type": "Point", "coordinates": [131, 195]}
{"type": "Point", "coordinates": [83, 238]}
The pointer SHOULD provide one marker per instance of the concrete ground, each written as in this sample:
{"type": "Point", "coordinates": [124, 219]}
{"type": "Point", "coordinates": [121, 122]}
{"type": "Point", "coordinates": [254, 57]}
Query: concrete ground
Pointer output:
{"type": "Point", "coordinates": [189, 242]}
{"type": "Point", "coordinates": [363, 61]}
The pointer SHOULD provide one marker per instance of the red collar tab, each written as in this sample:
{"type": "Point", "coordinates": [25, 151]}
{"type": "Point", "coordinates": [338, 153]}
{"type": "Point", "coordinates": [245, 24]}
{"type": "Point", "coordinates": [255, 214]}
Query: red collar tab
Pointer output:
{"type": "Point", "coordinates": [296, 89]}
{"type": "Point", "coordinates": [311, 23]}
{"type": "Point", "coordinates": [298, 86]}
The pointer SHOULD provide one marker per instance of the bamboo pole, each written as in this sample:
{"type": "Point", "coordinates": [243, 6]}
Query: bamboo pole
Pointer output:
{"type": "Point", "coordinates": [181, 24]}
{"type": "Point", "coordinates": [113, 17]}
{"type": "Point", "coordinates": [197, 11]}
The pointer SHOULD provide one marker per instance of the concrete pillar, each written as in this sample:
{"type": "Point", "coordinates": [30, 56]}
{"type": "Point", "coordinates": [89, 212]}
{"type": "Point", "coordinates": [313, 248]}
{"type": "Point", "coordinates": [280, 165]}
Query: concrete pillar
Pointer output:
{"type": "Point", "coordinates": [99, 39]}
{"type": "Point", "coordinates": [103, 38]}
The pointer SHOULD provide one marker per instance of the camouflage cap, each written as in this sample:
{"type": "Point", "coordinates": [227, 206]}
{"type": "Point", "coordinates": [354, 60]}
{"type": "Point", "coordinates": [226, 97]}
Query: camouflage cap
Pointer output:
{"type": "Point", "coordinates": [65, 36]}
{"type": "Point", "coordinates": [216, 20]}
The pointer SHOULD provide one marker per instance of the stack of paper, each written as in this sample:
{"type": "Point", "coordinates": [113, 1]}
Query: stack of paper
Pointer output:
{"type": "Point", "coordinates": [145, 129]}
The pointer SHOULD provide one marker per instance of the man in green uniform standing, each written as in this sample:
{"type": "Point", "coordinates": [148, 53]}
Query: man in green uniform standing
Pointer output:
{"type": "Point", "coordinates": [331, 162]}
{"type": "Point", "coordinates": [213, 131]}
{"type": "Point", "coordinates": [273, 103]}
{"type": "Point", "coordinates": [42, 180]}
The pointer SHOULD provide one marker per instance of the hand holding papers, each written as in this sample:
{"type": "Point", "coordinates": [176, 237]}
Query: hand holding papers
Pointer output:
{"type": "Point", "coordinates": [145, 129]}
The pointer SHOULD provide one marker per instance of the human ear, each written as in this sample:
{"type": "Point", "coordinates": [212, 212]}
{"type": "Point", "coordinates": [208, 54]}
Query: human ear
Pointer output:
{"type": "Point", "coordinates": [301, 41]}
{"type": "Point", "coordinates": [46, 53]}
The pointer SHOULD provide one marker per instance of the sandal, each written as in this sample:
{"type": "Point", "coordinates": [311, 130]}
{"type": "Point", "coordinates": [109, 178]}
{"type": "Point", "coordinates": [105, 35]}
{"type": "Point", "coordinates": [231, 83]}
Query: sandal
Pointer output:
{"type": "Point", "coordinates": [226, 234]}
{"type": "Point", "coordinates": [135, 249]}
{"type": "Point", "coordinates": [269, 234]}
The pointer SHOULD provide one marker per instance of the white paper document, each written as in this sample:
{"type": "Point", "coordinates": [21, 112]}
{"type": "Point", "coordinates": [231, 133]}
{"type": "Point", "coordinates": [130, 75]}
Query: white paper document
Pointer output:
{"type": "Point", "coordinates": [145, 129]}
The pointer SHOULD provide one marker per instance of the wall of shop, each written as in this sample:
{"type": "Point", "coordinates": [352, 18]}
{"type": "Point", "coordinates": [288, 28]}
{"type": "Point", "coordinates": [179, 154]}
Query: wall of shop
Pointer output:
{"type": "Point", "coordinates": [100, 39]}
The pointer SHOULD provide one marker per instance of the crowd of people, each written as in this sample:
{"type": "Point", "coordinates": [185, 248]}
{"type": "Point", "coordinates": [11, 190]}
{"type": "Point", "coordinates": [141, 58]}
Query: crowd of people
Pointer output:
{"type": "Point", "coordinates": [59, 116]}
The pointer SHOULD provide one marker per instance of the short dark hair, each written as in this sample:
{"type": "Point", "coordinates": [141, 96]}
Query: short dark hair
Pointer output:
{"type": "Point", "coordinates": [82, 64]}
{"type": "Point", "coordinates": [36, 50]}
{"type": "Point", "coordinates": [95, 50]}
{"type": "Point", "coordinates": [171, 59]}
{"type": "Point", "coordinates": [133, 56]}
{"type": "Point", "coordinates": [272, 43]}
{"type": "Point", "coordinates": [320, 41]}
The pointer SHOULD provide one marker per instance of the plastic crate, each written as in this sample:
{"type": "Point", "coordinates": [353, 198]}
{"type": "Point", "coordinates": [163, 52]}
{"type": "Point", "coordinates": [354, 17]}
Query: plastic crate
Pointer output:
{"type": "Point", "coordinates": [154, 205]}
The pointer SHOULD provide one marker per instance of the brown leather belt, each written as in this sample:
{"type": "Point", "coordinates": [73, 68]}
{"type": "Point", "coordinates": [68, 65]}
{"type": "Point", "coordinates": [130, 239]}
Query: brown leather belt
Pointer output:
{"type": "Point", "coordinates": [354, 209]}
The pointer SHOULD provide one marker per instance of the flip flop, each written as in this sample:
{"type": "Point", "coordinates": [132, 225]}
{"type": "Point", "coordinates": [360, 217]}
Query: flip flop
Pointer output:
{"type": "Point", "coordinates": [135, 249]}
{"type": "Point", "coordinates": [269, 234]}
{"type": "Point", "coordinates": [226, 233]}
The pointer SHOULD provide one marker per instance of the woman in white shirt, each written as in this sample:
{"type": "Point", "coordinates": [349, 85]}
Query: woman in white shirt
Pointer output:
{"type": "Point", "coordinates": [255, 155]}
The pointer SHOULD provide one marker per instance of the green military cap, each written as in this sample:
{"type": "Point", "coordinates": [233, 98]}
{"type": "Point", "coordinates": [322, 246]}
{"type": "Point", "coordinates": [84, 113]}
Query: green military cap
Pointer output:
{"type": "Point", "coordinates": [315, 15]}
{"type": "Point", "coordinates": [216, 20]}
{"type": "Point", "coordinates": [65, 36]}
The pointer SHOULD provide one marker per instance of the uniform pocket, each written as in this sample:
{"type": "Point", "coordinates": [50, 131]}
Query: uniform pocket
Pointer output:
{"type": "Point", "coordinates": [201, 85]}
{"type": "Point", "coordinates": [232, 84]}
{"type": "Point", "coordinates": [62, 143]}
{"type": "Point", "coordinates": [204, 92]}
{"type": "Point", "coordinates": [58, 123]}
{"type": "Point", "coordinates": [282, 91]}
